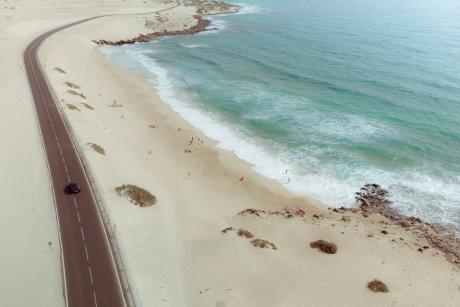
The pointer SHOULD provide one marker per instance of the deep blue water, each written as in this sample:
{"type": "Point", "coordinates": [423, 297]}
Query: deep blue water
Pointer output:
{"type": "Point", "coordinates": [338, 93]}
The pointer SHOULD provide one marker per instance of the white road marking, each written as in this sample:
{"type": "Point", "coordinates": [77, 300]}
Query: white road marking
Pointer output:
{"type": "Point", "coordinates": [94, 296]}
{"type": "Point", "coordinates": [66, 295]}
{"type": "Point", "coordinates": [48, 113]}
{"type": "Point", "coordinates": [86, 251]}
{"type": "Point", "coordinates": [90, 274]}
{"type": "Point", "coordinates": [82, 233]}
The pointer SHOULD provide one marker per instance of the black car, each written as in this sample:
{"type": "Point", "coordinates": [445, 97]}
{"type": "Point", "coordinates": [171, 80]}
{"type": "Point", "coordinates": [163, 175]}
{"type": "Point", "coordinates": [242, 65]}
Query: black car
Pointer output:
{"type": "Point", "coordinates": [74, 188]}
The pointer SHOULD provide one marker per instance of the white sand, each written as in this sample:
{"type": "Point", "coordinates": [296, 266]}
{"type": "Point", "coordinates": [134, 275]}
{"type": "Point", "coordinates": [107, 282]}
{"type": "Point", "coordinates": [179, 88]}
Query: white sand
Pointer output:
{"type": "Point", "coordinates": [175, 251]}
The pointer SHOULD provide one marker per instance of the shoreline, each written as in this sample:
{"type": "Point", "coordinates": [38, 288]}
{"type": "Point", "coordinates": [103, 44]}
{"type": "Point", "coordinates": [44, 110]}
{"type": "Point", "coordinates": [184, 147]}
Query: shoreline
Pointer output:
{"type": "Point", "coordinates": [200, 193]}
{"type": "Point", "coordinates": [443, 237]}
{"type": "Point", "coordinates": [298, 181]}
{"type": "Point", "coordinates": [438, 233]}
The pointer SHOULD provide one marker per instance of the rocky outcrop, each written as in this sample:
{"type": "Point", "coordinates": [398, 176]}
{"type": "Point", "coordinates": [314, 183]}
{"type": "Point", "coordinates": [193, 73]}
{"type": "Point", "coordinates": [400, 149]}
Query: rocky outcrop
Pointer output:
{"type": "Point", "coordinates": [372, 198]}
{"type": "Point", "coordinates": [201, 25]}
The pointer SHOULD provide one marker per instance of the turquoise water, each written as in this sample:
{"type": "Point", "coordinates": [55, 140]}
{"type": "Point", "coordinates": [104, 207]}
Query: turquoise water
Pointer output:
{"type": "Point", "coordinates": [326, 96]}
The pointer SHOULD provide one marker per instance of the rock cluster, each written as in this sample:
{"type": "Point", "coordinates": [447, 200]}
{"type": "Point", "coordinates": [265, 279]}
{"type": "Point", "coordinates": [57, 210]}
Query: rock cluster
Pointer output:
{"type": "Point", "coordinates": [201, 25]}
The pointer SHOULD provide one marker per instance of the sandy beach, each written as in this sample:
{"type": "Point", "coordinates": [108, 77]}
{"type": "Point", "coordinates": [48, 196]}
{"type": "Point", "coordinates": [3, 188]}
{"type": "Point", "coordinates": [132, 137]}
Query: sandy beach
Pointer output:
{"type": "Point", "coordinates": [198, 245]}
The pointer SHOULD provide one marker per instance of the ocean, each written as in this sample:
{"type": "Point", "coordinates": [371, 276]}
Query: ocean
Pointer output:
{"type": "Point", "coordinates": [326, 96]}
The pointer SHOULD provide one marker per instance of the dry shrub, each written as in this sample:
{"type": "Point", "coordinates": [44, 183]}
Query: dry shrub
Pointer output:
{"type": "Point", "coordinates": [245, 233]}
{"type": "Point", "coordinates": [286, 212]}
{"type": "Point", "coordinates": [227, 229]}
{"type": "Point", "coordinates": [72, 107]}
{"type": "Point", "coordinates": [137, 195]}
{"type": "Point", "coordinates": [72, 85]}
{"type": "Point", "coordinates": [97, 148]}
{"type": "Point", "coordinates": [252, 211]}
{"type": "Point", "coordinates": [377, 286]}
{"type": "Point", "coordinates": [76, 93]}
{"type": "Point", "coordinates": [88, 106]}
{"type": "Point", "coordinates": [263, 244]}
{"type": "Point", "coordinates": [62, 71]}
{"type": "Point", "coordinates": [326, 247]}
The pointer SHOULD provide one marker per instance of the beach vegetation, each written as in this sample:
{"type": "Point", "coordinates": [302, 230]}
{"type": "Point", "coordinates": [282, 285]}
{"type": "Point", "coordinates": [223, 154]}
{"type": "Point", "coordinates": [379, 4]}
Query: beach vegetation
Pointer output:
{"type": "Point", "coordinates": [260, 243]}
{"type": "Point", "coordinates": [62, 71]}
{"type": "Point", "coordinates": [225, 230]}
{"type": "Point", "coordinates": [245, 233]}
{"type": "Point", "coordinates": [324, 246]}
{"type": "Point", "coordinates": [138, 196]}
{"type": "Point", "coordinates": [72, 107]}
{"type": "Point", "coordinates": [76, 93]}
{"type": "Point", "coordinates": [86, 105]}
{"type": "Point", "coordinates": [251, 211]}
{"type": "Point", "coordinates": [97, 148]}
{"type": "Point", "coordinates": [377, 286]}
{"type": "Point", "coordinates": [72, 85]}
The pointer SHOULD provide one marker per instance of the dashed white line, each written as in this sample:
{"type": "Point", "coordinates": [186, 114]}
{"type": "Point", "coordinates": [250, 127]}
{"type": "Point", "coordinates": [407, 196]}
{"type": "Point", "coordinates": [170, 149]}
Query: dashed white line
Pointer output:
{"type": "Point", "coordinates": [82, 233]}
{"type": "Point", "coordinates": [49, 117]}
{"type": "Point", "coordinates": [34, 43]}
{"type": "Point", "coordinates": [86, 252]}
{"type": "Point", "coordinates": [51, 122]}
{"type": "Point", "coordinates": [90, 274]}
{"type": "Point", "coordinates": [94, 296]}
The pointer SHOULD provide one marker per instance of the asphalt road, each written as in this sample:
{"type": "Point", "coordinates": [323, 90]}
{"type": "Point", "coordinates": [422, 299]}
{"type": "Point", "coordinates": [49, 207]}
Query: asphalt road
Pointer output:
{"type": "Point", "coordinates": [89, 274]}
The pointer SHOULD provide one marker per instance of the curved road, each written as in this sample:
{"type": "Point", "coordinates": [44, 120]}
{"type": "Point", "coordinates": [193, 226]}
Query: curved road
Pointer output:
{"type": "Point", "coordinates": [89, 274]}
